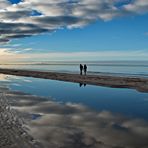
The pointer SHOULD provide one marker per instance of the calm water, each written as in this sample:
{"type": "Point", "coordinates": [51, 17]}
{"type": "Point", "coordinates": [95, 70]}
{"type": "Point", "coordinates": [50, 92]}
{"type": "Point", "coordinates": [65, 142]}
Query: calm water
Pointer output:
{"type": "Point", "coordinates": [88, 116]}
{"type": "Point", "coordinates": [116, 67]}
{"type": "Point", "coordinates": [126, 101]}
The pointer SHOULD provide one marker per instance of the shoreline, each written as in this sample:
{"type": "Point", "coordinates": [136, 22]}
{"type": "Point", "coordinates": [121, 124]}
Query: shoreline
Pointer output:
{"type": "Point", "coordinates": [140, 84]}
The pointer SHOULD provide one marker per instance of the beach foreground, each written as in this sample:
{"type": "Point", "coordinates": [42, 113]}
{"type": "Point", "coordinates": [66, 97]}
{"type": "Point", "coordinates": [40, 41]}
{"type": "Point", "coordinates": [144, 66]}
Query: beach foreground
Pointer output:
{"type": "Point", "coordinates": [140, 84]}
{"type": "Point", "coordinates": [13, 134]}
{"type": "Point", "coordinates": [34, 121]}
{"type": "Point", "coordinates": [54, 124]}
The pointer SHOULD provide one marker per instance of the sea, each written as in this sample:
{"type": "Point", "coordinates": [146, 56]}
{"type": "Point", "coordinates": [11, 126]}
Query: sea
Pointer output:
{"type": "Point", "coordinates": [73, 115]}
{"type": "Point", "coordinates": [122, 68]}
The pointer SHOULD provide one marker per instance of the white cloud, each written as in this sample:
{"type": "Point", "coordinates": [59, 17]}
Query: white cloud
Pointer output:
{"type": "Point", "coordinates": [138, 6]}
{"type": "Point", "coordinates": [32, 17]}
{"type": "Point", "coordinates": [4, 4]}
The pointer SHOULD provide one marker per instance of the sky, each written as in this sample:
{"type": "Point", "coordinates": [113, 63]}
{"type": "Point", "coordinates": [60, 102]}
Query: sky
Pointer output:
{"type": "Point", "coordinates": [35, 30]}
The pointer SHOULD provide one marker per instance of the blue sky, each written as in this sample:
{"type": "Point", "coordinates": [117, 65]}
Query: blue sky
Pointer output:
{"type": "Point", "coordinates": [128, 33]}
{"type": "Point", "coordinates": [114, 31]}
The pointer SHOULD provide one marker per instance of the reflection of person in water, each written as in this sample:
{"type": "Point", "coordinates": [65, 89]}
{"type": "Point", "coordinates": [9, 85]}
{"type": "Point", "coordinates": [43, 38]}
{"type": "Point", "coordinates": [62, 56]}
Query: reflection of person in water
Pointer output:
{"type": "Point", "coordinates": [81, 84]}
{"type": "Point", "coordinates": [81, 69]}
{"type": "Point", "coordinates": [85, 69]}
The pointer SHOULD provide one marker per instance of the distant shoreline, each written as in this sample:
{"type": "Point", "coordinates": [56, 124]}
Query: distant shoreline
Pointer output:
{"type": "Point", "coordinates": [140, 84]}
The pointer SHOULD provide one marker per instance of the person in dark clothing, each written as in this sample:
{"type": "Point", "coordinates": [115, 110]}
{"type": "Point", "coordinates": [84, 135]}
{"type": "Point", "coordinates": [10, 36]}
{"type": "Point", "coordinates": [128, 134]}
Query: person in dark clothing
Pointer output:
{"type": "Point", "coordinates": [81, 69]}
{"type": "Point", "coordinates": [85, 69]}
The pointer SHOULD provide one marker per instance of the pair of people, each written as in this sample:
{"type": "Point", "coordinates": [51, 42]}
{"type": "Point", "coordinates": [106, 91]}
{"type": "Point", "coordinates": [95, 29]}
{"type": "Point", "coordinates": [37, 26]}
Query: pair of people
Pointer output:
{"type": "Point", "coordinates": [83, 68]}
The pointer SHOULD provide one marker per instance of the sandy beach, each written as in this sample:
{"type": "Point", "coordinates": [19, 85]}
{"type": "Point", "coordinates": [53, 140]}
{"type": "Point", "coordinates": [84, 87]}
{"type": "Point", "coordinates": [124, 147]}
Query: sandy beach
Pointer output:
{"type": "Point", "coordinates": [140, 84]}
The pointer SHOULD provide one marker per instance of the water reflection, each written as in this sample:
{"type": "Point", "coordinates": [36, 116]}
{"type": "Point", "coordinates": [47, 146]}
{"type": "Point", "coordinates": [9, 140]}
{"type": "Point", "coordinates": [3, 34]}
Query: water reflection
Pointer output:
{"type": "Point", "coordinates": [73, 125]}
{"type": "Point", "coordinates": [125, 101]}
{"type": "Point", "coordinates": [82, 84]}
{"type": "Point", "coordinates": [91, 118]}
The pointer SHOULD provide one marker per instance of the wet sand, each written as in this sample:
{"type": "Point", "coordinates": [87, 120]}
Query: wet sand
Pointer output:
{"type": "Point", "coordinates": [140, 84]}
{"type": "Point", "coordinates": [13, 133]}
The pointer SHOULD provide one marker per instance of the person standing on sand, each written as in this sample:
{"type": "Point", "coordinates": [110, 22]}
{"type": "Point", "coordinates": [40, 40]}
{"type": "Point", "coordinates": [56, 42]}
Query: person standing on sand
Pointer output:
{"type": "Point", "coordinates": [85, 69]}
{"type": "Point", "coordinates": [81, 69]}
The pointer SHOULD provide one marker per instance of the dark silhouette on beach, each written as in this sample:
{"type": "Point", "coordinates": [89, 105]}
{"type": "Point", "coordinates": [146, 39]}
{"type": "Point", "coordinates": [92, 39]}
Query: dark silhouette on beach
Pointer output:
{"type": "Point", "coordinates": [81, 69]}
{"type": "Point", "coordinates": [85, 69]}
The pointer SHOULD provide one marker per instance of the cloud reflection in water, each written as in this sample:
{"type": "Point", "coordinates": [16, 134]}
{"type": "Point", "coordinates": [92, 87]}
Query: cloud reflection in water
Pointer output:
{"type": "Point", "coordinates": [77, 126]}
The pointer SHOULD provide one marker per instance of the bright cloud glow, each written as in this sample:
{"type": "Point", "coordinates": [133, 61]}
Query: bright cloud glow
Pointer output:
{"type": "Point", "coordinates": [6, 56]}
{"type": "Point", "coordinates": [86, 56]}
{"type": "Point", "coordinates": [9, 57]}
